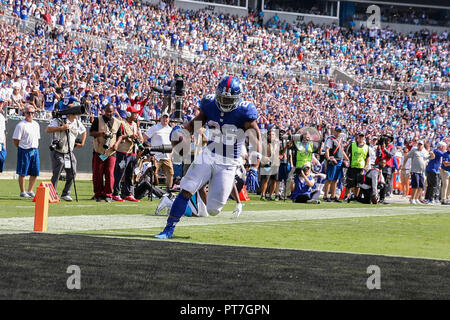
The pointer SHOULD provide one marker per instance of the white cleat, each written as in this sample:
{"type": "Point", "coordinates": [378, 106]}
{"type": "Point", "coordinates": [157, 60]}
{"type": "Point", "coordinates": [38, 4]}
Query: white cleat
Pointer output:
{"type": "Point", "coordinates": [165, 203]}
{"type": "Point", "coordinates": [237, 210]}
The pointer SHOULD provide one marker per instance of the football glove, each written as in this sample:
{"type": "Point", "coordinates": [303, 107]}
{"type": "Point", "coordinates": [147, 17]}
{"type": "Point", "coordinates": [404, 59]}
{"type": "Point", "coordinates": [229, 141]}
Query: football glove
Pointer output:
{"type": "Point", "coordinates": [252, 180]}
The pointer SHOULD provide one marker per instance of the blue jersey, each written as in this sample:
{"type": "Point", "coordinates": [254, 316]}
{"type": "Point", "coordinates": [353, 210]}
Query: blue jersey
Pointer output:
{"type": "Point", "coordinates": [68, 100]}
{"type": "Point", "coordinates": [227, 129]}
{"type": "Point", "coordinates": [49, 99]}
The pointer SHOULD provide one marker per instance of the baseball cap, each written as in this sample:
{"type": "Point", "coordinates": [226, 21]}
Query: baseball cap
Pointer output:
{"type": "Point", "coordinates": [164, 114]}
{"type": "Point", "coordinates": [420, 142]}
{"type": "Point", "coordinates": [361, 134]}
{"type": "Point", "coordinates": [132, 109]}
{"type": "Point", "coordinates": [338, 128]}
{"type": "Point", "coordinates": [440, 143]}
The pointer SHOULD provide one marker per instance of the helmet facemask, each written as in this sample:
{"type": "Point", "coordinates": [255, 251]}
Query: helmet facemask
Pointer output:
{"type": "Point", "coordinates": [227, 102]}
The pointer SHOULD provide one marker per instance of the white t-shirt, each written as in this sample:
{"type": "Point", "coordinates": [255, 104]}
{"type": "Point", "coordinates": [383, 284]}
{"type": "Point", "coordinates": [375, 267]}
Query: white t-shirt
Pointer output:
{"type": "Point", "coordinates": [28, 134]}
{"type": "Point", "coordinates": [160, 135]}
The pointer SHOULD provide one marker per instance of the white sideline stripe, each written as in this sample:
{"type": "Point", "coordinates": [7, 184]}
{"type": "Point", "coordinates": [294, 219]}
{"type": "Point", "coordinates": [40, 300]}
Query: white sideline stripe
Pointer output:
{"type": "Point", "coordinates": [63, 224]}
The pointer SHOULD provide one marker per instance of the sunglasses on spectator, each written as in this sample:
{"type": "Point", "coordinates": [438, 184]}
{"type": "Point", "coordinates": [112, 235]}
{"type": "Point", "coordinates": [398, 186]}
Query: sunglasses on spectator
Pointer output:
{"type": "Point", "coordinates": [29, 112]}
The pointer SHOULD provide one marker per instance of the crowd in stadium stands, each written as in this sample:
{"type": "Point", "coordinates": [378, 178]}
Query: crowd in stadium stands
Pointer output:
{"type": "Point", "coordinates": [386, 56]}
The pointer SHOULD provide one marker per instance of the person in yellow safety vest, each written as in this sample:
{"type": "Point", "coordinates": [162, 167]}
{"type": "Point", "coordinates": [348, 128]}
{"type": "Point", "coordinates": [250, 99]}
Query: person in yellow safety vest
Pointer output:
{"type": "Point", "coordinates": [359, 164]}
{"type": "Point", "coordinates": [304, 153]}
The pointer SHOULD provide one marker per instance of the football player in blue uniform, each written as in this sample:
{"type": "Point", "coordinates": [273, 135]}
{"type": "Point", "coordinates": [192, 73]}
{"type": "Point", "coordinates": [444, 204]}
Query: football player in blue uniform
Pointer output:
{"type": "Point", "coordinates": [229, 120]}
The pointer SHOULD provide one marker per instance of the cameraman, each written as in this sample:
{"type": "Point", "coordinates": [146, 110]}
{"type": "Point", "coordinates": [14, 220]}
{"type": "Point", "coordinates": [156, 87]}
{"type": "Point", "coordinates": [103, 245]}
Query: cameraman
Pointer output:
{"type": "Point", "coordinates": [65, 132]}
{"type": "Point", "coordinates": [126, 157]}
{"type": "Point", "coordinates": [160, 135]}
{"type": "Point", "coordinates": [305, 189]}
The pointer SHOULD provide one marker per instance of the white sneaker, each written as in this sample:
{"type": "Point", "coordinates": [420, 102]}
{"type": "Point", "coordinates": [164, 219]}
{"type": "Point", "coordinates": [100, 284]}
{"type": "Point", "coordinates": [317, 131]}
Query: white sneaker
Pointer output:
{"type": "Point", "coordinates": [25, 195]}
{"type": "Point", "coordinates": [412, 201]}
{"type": "Point", "coordinates": [67, 198]}
{"type": "Point", "coordinates": [165, 203]}
{"type": "Point", "coordinates": [31, 194]}
{"type": "Point", "coordinates": [237, 210]}
{"type": "Point", "coordinates": [313, 201]}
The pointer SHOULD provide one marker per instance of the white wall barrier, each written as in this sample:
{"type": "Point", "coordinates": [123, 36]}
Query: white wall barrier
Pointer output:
{"type": "Point", "coordinates": [213, 7]}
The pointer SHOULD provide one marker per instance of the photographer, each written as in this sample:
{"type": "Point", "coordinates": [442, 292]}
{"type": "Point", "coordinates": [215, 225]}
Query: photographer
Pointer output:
{"type": "Point", "coordinates": [305, 189]}
{"type": "Point", "coordinates": [372, 185]}
{"type": "Point", "coordinates": [386, 151]}
{"type": "Point", "coordinates": [335, 155]}
{"type": "Point", "coordinates": [65, 132]}
{"type": "Point", "coordinates": [126, 157]}
{"type": "Point", "coordinates": [160, 135]}
{"type": "Point", "coordinates": [359, 162]}
{"type": "Point", "coordinates": [107, 133]}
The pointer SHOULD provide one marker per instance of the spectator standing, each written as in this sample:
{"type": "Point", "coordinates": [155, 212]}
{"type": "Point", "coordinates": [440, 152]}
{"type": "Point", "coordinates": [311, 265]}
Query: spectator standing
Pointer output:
{"type": "Point", "coordinates": [268, 166]}
{"type": "Point", "coordinates": [26, 138]}
{"type": "Point", "coordinates": [405, 173]}
{"type": "Point", "coordinates": [432, 173]}
{"type": "Point", "coordinates": [418, 163]}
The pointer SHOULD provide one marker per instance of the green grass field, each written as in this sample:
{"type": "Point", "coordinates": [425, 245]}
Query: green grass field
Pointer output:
{"type": "Point", "coordinates": [417, 235]}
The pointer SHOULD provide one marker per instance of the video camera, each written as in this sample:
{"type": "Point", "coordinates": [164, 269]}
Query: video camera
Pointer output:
{"type": "Point", "coordinates": [74, 110]}
{"type": "Point", "coordinates": [164, 148]}
{"type": "Point", "coordinates": [180, 90]}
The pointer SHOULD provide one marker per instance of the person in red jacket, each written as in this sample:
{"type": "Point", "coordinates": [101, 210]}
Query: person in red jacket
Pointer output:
{"type": "Point", "coordinates": [386, 151]}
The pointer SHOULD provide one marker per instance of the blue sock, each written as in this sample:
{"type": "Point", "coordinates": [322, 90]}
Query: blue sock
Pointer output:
{"type": "Point", "coordinates": [178, 208]}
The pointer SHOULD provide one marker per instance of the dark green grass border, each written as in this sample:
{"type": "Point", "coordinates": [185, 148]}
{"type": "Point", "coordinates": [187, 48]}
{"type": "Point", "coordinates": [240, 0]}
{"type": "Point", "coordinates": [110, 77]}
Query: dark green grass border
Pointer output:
{"type": "Point", "coordinates": [34, 266]}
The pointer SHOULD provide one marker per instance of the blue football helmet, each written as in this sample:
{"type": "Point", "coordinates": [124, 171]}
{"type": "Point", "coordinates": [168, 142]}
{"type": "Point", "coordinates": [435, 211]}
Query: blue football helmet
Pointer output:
{"type": "Point", "coordinates": [228, 93]}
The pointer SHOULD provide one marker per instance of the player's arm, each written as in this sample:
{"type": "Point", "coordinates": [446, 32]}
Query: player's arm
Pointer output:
{"type": "Point", "coordinates": [254, 136]}
{"type": "Point", "coordinates": [200, 119]}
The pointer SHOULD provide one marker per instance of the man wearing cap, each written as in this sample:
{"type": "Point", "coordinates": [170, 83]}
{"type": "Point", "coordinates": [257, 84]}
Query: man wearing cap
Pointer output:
{"type": "Point", "coordinates": [433, 174]}
{"type": "Point", "coordinates": [126, 158]}
{"type": "Point", "coordinates": [334, 155]}
{"type": "Point", "coordinates": [418, 163]}
{"type": "Point", "coordinates": [359, 162]}
{"type": "Point", "coordinates": [160, 135]}
{"type": "Point", "coordinates": [26, 138]}
{"type": "Point", "coordinates": [65, 131]}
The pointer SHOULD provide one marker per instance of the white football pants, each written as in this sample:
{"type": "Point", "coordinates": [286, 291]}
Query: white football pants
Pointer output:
{"type": "Point", "coordinates": [219, 176]}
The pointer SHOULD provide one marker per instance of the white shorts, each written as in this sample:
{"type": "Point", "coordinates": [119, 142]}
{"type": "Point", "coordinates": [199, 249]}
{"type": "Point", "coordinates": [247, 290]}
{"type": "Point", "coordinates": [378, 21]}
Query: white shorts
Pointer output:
{"type": "Point", "coordinates": [219, 176]}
